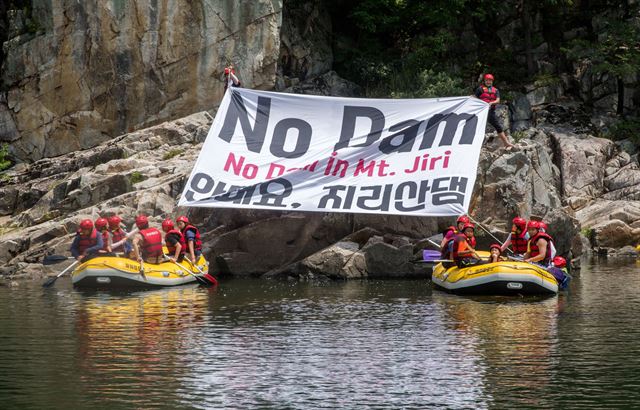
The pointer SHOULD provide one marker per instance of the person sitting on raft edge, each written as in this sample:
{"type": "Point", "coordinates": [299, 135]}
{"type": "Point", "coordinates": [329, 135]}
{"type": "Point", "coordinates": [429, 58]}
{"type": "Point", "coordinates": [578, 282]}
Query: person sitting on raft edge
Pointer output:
{"type": "Point", "coordinates": [538, 249]}
{"type": "Point", "coordinates": [87, 241]}
{"type": "Point", "coordinates": [495, 253]}
{"type": "Point", "coordinates": [463, 254]}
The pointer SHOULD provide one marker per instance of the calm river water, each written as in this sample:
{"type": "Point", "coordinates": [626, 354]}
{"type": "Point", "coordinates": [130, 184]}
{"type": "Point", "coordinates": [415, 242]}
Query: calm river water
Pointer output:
{"type": "Point", "coordinates": [369, 344]}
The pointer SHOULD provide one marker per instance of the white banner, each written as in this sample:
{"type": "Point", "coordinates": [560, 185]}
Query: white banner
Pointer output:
{"type": "Point", "coordinates": [281, 151]}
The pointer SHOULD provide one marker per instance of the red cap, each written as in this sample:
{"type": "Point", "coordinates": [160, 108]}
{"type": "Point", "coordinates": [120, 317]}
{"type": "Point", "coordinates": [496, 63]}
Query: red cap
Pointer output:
{"type": "Point", "coordinates": [534, 225]}
{"type": "Point", "coordinates": [559, 262]}
{"type": "Point", "coordinates": [469, 225]}
{"type": "Point", "coordinates": [520, 222]}
{"type": "Point", "coordinates": [86, 224]}
{"type": "Point", "coordinates": [167, 225]}
{"type": "Point", "coordinates": [496, 246]}
{"type": "Point", "coordinates": [464, 219]}
{"type": "Point", "coordinates": [101, 223]}
{"type": "Point", "coordinates": [488, 76]}
{"type": "Point", "coordinates": [182, 219]}
{"type": "Point", "coordinates": [114, 221]}
{"type": "Point", "coordinates": [142, 221]}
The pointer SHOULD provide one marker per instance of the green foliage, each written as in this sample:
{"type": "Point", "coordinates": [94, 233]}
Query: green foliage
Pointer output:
{"type": "Point", "coordinates": [432, 84]}
{"type": "Point", "coordinates": [172, 153]}
{"type": "Point", "coordinates": [518, 135]}
{"type": "Point", "coordinates": [626, 129]}
{"type": "Point", "coordinates": [4, 160]}
{"type": "Point", "coordinates": [544, 80]}
{"type": "Point", "coordinates": [136, 177]}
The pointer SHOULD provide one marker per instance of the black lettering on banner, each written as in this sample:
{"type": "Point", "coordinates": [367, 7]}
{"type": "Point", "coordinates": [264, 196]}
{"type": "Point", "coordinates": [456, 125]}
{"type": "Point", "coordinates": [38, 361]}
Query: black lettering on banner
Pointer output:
{"type": "Point", "coordinates": [238, 112]}
{"type": "Point", "coordinates": [409, 131]}
{"type": "Point", "coordinates": [332, 195]}
{"type": "Point", "coordinates": [376, 190]}
{"type": "Point", "coordinates": [349, 125]}
{"type": "Point", "coordinates": [280, 137]}
{"type": "Point", "coordinates": [454, 192]}
{"type": "Point", "coordinates": [197, 186]}
{"type": "Point", "coordinates": [451, 121]}
{"type": "Point", "coordinates": [413, 193]}
{"type": "Point", "coordinates": [270, 195]}
{"type": "Point", "coordinates": [237, 195]}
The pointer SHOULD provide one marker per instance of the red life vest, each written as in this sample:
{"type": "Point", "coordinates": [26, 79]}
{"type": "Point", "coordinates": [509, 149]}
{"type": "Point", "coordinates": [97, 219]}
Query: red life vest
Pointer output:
{"type": "Point", "coordinates": [519, 243]}
{"type": "Point", "coordinates": [489, 94]}
{"type": "Point", "coordinates": [533, 247]}
{"type": "Point", "coordinates": [461, 247]}
{"type": "Point", "coordinates": [152, 243]}
{"type": "Point", "coordinates": [171, 248]}
{"type": "Point", "coordinates": [87, 242]}
{"type": "Point", "coordinates": [197, 245]}
{"type": "Point", "coordinates": [472, 242]}
{"type": "Point", "coordinates": [116, 236]}
{"type": "Point", "coordinates": [105, 239]}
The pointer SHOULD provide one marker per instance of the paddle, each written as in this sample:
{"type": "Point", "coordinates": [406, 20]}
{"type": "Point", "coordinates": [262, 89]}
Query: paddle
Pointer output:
{"type": "Point", "coordinates": [200, 280]}
{"type": "Point", "coordinates": [207, 276]}
{"type": "Point", "coordinates": [490, 234]}
{"type": "Point", "coordinates": [52, 280]}
{"type": "Point", "coordinates": [53, 259]}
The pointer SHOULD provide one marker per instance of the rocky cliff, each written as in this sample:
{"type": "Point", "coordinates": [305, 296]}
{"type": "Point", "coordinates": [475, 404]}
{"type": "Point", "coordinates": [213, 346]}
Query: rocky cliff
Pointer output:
{"type": "Point", "coordinates": [76, 74]}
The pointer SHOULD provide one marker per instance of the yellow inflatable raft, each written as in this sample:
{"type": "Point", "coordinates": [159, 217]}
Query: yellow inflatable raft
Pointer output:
{"type": "Point", "coordinates": [500, 278]}
{"type": "Point", "coordinates": [119, 272]}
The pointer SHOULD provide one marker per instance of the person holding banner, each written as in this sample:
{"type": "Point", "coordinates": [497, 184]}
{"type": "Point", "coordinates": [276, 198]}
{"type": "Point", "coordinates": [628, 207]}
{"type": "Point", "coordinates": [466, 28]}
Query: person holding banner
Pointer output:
{"type": "Point", "coordinates": [230, 79]}
{"type": "Point", "coordinates": [490, 94]}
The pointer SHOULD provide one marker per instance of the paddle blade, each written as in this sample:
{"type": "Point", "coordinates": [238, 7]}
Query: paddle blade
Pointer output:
{"type": "Point", "coordinates": [49, 281]}
{"type": "Point", "coordinates": [53, 259]}
{"type": "Point", "coordinates": [430, 255]}
{"type": "Point", "coordinates": [210, 279]}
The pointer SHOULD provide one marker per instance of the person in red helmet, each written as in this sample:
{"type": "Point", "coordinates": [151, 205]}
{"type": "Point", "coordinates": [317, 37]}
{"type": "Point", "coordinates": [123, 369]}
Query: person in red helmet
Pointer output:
{"type": "Point", "coordinates": [174, 240]}
{"type": "Point", "coordinates": [230, 78]}
{"type": "Point", "coordinates": [518, 238]}
{"type": "Point", "coordinates": [103, 229]}
{"type": "Point", "coordinates": [552, 246]}
{"type": "Point", "coordinates": [538, 249]}
{"type": "Point", "coordinates": [119, 237]}
{"type": "Point", "coordinates": [86, 242]}
{"type": "Point", "coordinates": [147, 243]}
{"type": "Point", "coordinates": [463, 253]}
{"type": "Point", "coordinates": [559, 271]}
{"type": "Point", "coordinates": [490, 94]}
{"type": "Point", "coordinates": [446, 245]}
{"type": "Point", "coordinates": [191, 238]}
{"type": "Point", "coordinates": [495, 251]}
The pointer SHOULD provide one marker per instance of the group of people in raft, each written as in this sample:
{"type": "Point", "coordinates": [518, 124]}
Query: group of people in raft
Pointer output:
{"type": "Point", "coordinates": [528, 240]}
{"type": "Point", "coordinates": [143, 243]}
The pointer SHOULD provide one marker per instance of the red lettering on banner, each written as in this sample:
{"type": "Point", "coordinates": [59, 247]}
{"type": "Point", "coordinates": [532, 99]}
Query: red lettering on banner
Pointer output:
{"type": "Point", "coordinates": [275, 171]}
{"type": "Point", "coordinates": [361, 168]}
{"type": "Point", "coordinates": [237, 166]}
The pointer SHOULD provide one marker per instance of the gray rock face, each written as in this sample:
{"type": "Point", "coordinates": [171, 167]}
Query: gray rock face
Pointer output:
{"type": "Point", "coordinates": [98, 69]}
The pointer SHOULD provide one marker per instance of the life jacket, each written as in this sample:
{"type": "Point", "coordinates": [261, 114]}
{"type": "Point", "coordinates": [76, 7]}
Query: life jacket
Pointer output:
{"type": "Point", "coordinates": [533, 247]}
{"type": "Point", "coordinates": [197, 245]}
{"type": "Point", "coordinates": [519, 243]}
{"type": "Point", "coordinates": [472, 242]}
{"type": "Point", "coordinates": [171, 248]}
{"type": "Point", "coordinates": [105, 239]}
{"type": "Point", "coordinates": [461, 247]}
{"type": "Point", "coordinates": [87, 241]}
{"type": "Point", "coordinates": [152, 244]}
{"type": "Point", "coordinates": [116, 236]}
{"type": "Point", "coordinates": [450, 236]}
{"type": "Point", "coordinates": [489, 94]}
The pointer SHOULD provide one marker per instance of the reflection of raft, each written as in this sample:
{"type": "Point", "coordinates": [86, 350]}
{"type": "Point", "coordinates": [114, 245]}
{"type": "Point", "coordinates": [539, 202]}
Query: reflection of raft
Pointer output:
{"type": "Point", "coordinates": [500, 278]}
{"type": "Point", "coordinates": [118, 272]}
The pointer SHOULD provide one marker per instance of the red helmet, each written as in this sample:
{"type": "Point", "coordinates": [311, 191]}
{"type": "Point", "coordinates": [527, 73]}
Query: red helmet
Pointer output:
{"type": "Point", "coordinates": [543, 225]}
{"type": "Point", "coordinates": [495, 246]}
{"type": "Point", "coordinates": [488, 76]}
{"type": "Point", "coordinates": [86, 224]}
{"type": "Point", "coordinates": [183, 219]}
{"type": "Point", "coordinates": [469, 225]}
{"type": "Point", "coordinates": [520, 222]}
{"type": "Point", "coordinates": [167, 225]}
{"type": "Point", "coordinates": [142, 221]}
{"type": "Point", "coordinates": [114, 221]}
{"type": "Point", "coordinates": [463, 219]}
{"type": "Point", "coordinates": [534, 225]}
{"type": "Point", "coordinates": [559, 262]}
{"type": "Point", "coordinates": [101, 223]}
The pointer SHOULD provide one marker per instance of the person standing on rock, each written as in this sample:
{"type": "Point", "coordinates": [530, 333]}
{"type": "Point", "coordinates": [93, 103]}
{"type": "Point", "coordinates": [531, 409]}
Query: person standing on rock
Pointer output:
{"type": "Point", "coordinates": [230, 79]}
{"type": "Point", "coordinates": [87, 241]}
{"type": "Point", "coordinates": [191, 238]}
{"type": "Point", "coordinates": [147, 243]}
{"type": "Point", "coordinates": [490, 94]}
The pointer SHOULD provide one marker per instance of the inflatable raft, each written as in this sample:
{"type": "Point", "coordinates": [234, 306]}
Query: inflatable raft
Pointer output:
{"type": "Point", "coordinates": [500, 278]}
{"type": "Point", "coordinates": [119, 272]}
